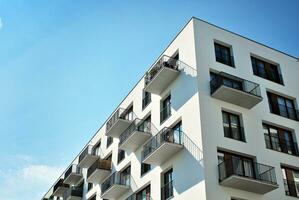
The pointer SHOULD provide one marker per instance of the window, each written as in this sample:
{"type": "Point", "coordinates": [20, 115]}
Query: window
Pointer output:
{"type": "Point", "coordinates": [97, 149]}
{"type": "Point", "coordinates": [291, 181]}
{"type": "Point", "coordinates": [120, 156]}
{"type": "Point", "coordinates": [128, 114]}
{"type": "Point", "coordinates": [146, 99]}
{"type": "Point", "coordinates": [236, 164]}
{"type": "Point", "coordinates": [109, 141]}
{"type": "Point", "coordinates": [144, 194]}
{"type": "Point", "coordinates": [89, 187]}
{"type": "Point", "coordinates": [282, 106]}
{"type": "Point", "coordinates": [226, 81]}
{"type": "Point", "coordinates": [232, 126]}
{"type": "Point", "coordinates": [125, 176]}
{"type": "Point", "coordinates": [266, 70]}
{"type": "Point", "coordinates": [145, 168]}
{"type": "Point", "coordinates": [165, 109]}
{"type": "Point", "coordinates": [279, 139]}
{"type": "Point", "coordinates": [167, 189]}
{"type": "Point", "coordinates": [224, 55]}
{"type": "Point", "coordinates": [94, 197]}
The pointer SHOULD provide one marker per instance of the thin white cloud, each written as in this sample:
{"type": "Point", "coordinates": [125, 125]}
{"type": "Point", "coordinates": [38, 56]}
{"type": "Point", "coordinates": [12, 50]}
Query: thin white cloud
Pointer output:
{"type": "Point", "coordinates": [29, 180]}
{"type": "Point", "coordinates": [1, 23]}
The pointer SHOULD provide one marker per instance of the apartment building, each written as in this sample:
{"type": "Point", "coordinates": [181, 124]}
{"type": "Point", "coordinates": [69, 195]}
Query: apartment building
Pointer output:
{"type": "Point", "coordinates": [215, 117]}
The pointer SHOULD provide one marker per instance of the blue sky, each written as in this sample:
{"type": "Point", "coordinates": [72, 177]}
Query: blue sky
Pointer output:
{"type": "Point", "coordinates": [65, 66]}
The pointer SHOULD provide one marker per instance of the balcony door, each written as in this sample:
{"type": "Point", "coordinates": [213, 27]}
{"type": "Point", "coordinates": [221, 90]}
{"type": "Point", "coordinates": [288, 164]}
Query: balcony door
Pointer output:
{"type": "Point", "coordinates": [291, 178]}
{"type": "Point", "coordinates": [125, 176]}
{"type": "Point", "coordinates": [144, 194]}
{"type": "Point", "coordinates": [167, 189]}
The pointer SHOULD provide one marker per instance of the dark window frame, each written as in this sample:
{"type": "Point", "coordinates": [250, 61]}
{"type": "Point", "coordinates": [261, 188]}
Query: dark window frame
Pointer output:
{"type": "Point", "coordinates": [121, 155]}
{"type": "Point", "coordinates": [109, 141]}
{"type": "Point", "coordinates": [266, 70]}
{"type": "Point", "coordinates": [283, 110]}
{"type": "Point", "coordinates": [223, 54]}
{"type": "Point", "coordinates": [146, 99]}
{"type": "Point", "coordinates": [165, 109]}
{"type": "Point", "coordinates": [277, 143]}
{"type": "Point", "coordinates": [230, 131]}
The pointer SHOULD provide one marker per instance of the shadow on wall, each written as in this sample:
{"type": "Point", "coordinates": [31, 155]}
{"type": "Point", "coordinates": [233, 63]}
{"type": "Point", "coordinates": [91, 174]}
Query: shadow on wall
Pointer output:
{"type": "Point", "coordinates": [187, 175]}
{"type": "Point", "coordinates": [185, 87]}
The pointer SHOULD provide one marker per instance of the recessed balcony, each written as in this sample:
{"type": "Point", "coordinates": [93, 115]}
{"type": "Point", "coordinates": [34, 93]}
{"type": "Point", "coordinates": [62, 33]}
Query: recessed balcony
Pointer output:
{"type": "Point", "coordinates": [88, 157]}
{"type": "Point", "coordinates": [161, 75]}
{"type": "Point", "coordinates": [235, 90]}
{"type": "Point", "coordinates": [115, 186]}
{"type": "Point", "coordinates": [60, 188]}
{"type": "Point", "coordinates": [120, 121]}
{"type": "Point", "coordinates": [73, 175]}
{"type": "Point", "coordinates": [162, 146]}
{"type": "Point", "coordinates": [73, 194]}
{"type": "Point", "coordinates": [99, 171]}
{"type": "Point", "coordinates": [252, 177]}
{"type": "Point", "coordinates": [136, 134]}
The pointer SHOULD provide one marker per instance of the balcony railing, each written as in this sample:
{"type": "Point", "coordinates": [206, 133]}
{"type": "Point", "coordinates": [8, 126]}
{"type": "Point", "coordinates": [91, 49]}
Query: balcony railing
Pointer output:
{"type": "Point", "coordinates": [73, 192]}
{"type": "Point", "coordinates": [117, 178]}
{"type": "Point", "coordinates": [291, 188]}
{"type": "Point", "coordinates": [165, 61]}
{"type": "Point", "coordinates": [87, 151]}
{"type": "Point", "coordinates": [247, 86]}
{"type": "Point", "coordinates": [282, 145]}
{"type": "Point", "coordinates": [167, 191]}
{"type": "Point", "coordinates": [60, 184]}
{"type": "Point", "coordinates": [137, 125]}
{"type": "Point", "coordinates": [121, 113]}
{"type": "Point", "coordinates": [165, 135]}
{"type": "Point", "coordinates": [72, 169]}
{"type": "Point", "coordinates": [99, 164]}
{"type": "Point", "coordinates": [139, 197]}
{"type": "Point", "coordinates": [285, 111]}
{"type": "Point", "coordinates": [244, 168]}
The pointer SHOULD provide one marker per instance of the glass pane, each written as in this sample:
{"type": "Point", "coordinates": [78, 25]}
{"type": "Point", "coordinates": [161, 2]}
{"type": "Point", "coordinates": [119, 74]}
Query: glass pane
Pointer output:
{"type": "Point", "coordinates": [226, 124]}
{"type": "Point", "coordinates": [220, 157]}
{"type": "Point", "coordinates": [235, 126]}
{"type": "Point", "coordinates": [248, 168]}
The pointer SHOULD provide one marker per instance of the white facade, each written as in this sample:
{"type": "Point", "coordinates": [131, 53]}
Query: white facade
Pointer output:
{"type": "Point", "coordinates": [195, 165]}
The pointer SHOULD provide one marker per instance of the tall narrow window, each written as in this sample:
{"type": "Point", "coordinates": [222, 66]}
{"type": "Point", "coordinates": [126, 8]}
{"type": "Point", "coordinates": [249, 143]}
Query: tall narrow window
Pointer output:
{"type": "Point", "coordinates": [232, 126]}
{"type": "Point", "coordinates": [224, 55]}
{"type": "Point", "coordinates": [280, 139]}
{"type": "Point", "coordinates": [145, 168]}
{"type": "Point", "coordinates": [146, 99]}
{"type": "Point", "coordinates": [167, 188]}
{"type": "Point", "coordinates": [165, 109]}
{"type": "Point", "coordinates": [144, 194]}
{"type": "Point", "coordinates": [128, 114]}
{"type": "Point", "coordinates": [291, 181]}
{"type": "Point", "coordinates": [97, 149]}
{"type": "Point", "coordinates": [121, 155]}
{"type": "Point", "coordinates": [109, 141]}
{"type": "Point", "coordinates": [266, 70]}
{"type": "Point", "coordinates": [282, 106]}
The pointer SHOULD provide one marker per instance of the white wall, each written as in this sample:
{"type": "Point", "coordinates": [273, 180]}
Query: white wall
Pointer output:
{"type": "Point", "coordinates": [211, 118]}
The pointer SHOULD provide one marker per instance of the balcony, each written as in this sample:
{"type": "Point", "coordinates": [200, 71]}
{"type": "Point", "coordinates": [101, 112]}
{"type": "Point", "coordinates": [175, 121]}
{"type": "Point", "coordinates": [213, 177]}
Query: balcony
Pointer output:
{"type": "Point", "coordinates": [87, 157]}
{"type": "Point", "coordinates": [119, 122]}
{"type": "Point", "coordinates": [161, 75]}
{"type": "Point", "coordinates": [252, 177]}
{"type": "Point", "coordinates": [73, 194]}
{"type": "Point", "coordinates": [73, 175]}
{"type": "Point", "coordinates": [136, 135]}
{"type": "Point", "coordinates": [60, 188]}
{"type": "Point", "coordinates": [139, 197]}
{"type": "Point", "coordinates": [99, 171]}
{"type": "Point", "coordinates": [115, 186]}
{"type": "Point", "coordinates": [162, 146]}
{"type": "Point", "coordinates": [235, 90]}
{"type": "Point", "coordinates": [291, 188]}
